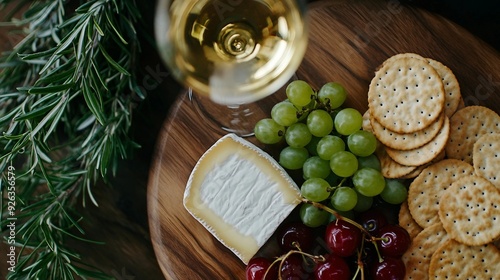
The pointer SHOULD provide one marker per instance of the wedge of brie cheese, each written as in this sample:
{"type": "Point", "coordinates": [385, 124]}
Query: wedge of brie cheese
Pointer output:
{"type": "Point", "coordinates": [240, 194]}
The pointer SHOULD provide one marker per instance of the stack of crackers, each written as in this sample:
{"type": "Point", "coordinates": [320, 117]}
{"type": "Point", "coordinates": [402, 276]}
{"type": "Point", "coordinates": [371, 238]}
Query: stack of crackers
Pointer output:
{"type": "Point", "coordinates": [453, 154]}
{"type": "Point", "coordinates": [411, 99]}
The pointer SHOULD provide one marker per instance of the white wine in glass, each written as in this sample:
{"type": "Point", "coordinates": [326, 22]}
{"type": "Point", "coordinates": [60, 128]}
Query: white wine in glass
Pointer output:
{"type": "Point", "coordinates": [232, 51]}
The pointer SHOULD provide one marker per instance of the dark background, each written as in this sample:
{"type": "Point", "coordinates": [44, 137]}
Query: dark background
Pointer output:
{"type": "Point", "coordinates": [121, 219]}
{"type": "Point", "coordinates": [481, 17]}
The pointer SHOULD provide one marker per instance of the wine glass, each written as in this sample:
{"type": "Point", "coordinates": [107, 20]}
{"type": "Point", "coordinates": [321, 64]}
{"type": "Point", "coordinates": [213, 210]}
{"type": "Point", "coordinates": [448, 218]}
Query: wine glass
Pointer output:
{"type": "Point", "coordinates": [231, 53]}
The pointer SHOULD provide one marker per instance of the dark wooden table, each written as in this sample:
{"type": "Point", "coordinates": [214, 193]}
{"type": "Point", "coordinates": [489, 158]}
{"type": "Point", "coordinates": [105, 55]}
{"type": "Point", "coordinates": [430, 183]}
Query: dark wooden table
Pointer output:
{"type": "Point", "coordinates": [348, 41]}
{"type": "Point", "coordinates": [121, 221]}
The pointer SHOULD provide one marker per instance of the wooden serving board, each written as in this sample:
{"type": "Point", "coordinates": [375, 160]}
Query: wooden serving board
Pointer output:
{"type": "Point", "coordinates": [348, 41]}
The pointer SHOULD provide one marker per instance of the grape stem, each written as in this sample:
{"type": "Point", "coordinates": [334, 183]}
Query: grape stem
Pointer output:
{"type": "Point", "coordinates": [374, 242]}
{"type": "Point", "coordinates": [338, 216]}
{"type": "Point", "coordinates": [360, 268]}
{"type": "Point", "coordinates": [331, 189]}
{"type": "Point", "coordinates": [319, 105]}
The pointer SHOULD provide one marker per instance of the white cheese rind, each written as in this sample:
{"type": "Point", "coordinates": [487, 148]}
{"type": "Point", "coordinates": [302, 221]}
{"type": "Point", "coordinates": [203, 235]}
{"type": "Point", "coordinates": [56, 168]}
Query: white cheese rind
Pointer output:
{"type": "Point", "coordinates": [240, 194]}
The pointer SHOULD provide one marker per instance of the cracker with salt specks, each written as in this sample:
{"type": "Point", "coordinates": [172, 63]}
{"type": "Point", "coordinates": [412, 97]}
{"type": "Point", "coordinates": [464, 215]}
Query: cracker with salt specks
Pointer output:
{"type": "Point", "coordinates": [426, 153]}
{"type": "Point", "coordinates": [415, 172]}
{"type": "Point", "coordinates": [486, 158]}
{"type": "Point", "coordinates": [454, 260]}
{"type": "Point", "coordinates": [390, 168]}
{"type": "Point", "coordinates": [451, 86]}
{"type": "Point", "coordinates": [406, 141]}
{"type": "Point", "coordinates": [417, 258]}
{"type": "Point", "coordinates": [470, 211]}
{"type": "Point", "coordinates": [469, 124]}
{"type": "Point", "coordinates": [406, 95]}
{"type": "Point", "coordinates": [427, 188]}
{"type": "Point", "coordinates": [419, 169]}
{"type": "Point", "coordinates": [407, 222]}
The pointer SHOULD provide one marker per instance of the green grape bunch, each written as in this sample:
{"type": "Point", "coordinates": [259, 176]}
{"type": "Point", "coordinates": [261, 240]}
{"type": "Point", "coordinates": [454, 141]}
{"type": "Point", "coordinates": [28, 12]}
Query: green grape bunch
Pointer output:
{"type": "Point", "coordinates": [326, 142]}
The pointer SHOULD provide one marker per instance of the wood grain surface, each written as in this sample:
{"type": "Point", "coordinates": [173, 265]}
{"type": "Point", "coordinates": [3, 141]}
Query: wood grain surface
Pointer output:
{"type": "Point", "coordinates": [348, 41]}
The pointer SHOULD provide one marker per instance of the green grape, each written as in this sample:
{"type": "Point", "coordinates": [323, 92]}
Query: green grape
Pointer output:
{"type": "Point", "coordinates": [362, 143]}
{"type": "Point", "coordinates": [267, 131]}
{"type": "Point", "coordinates": [344, 199]}
{"type": "Point", "coordinates": [344, 163]}
{"type": "Point", "coordinates": [332, 94]}
{"type": "Point", "coordinates": [348, 121]}
{"type": "Point", "coordinates": [284, 113]}
{"type": "Point", "coordinates": [364, 203]}
{"type": "Point", "coordinates": [315, 167]}
{"type": "Point", "coordinates": [368, 181]}
{"type": "Point", "coordinates": [312, 146]}
{"type": "Point", "coordinates": [298, 135]}
{"type": "Point", "coordinates": [312, 216]}
{"type": "Point", "coordinates": [293, 158]}
{"type": "Point", "coordinates": [315, 189]}
{"type": "Point", "coordinates": [299, 93]}
{"type": "Point", "coordinates": [329, 145]}
{"type": "Point", "coordinates": [371, 161]}
{"type": "Point", "coordinates": [320, 123]}
{"type": "Point", "coordinates": [395, 192]}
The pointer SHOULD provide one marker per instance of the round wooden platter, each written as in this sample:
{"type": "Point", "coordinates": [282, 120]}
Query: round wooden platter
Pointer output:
{"type": "Point", "coordinates": [348, 41]}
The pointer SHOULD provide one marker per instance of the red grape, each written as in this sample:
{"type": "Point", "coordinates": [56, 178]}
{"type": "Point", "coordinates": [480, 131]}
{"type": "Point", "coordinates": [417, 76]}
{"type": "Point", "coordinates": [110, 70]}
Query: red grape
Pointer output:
{"type": "Point", "coordinates": [257, 267]}
{"type": "Point", "coordinates": [373, 220]}
{"type": "Point", "coordinates": [334, 267]}
{"type": "Point", "coordinates": [342, 238]}
{"type": "Point", "coordinates": [389, 269]}
{"type": "Point", "coordinates": [291, 235]}
{"type": "Point", "coordinates": [294, 268]}
{"type": "Point", "coordinates": [395, 240]}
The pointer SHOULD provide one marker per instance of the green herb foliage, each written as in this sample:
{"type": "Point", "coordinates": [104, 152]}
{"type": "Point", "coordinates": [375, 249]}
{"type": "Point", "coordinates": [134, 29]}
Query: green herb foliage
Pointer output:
{"type": "Point", "coordinates": [66, 96]}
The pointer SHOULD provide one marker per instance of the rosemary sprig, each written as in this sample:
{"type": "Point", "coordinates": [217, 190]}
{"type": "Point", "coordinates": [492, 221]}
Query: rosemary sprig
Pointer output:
{"type": "Point", "coordinates": [66, 97]}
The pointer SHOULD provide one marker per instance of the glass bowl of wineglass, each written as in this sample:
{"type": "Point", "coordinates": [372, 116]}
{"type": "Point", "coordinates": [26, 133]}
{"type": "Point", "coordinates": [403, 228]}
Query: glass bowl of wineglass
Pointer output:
{"type": "Point", "coordinates": [231, 53]}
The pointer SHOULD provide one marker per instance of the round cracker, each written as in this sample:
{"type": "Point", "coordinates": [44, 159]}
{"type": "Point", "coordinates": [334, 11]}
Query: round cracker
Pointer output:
{"type": "Point", "coordinates": [453, 97]}
{"type": "Point", "coordinates": [419, 169]}
{"type": "Point", "coordinates": [486, 158]}
{"type": "Point", "coordinates": [406, 95]}
{"type": "Point", "coordinates": [366, 125]}
{"type": "Point", "coordinates": [454, 260]}
{"type": "Point", "coordinates": [470, 211]}
{"type": "Point", "coordinates": [407, 222]}
{"type": "Point", "coordinates": [426, 153]}
{"type": "Point", "coordinates": [390, 168]}
{"type": "Point", "coordinates": [406, 141]}
{"type": "Point", "coordinates": [469, 124]}
{"type": "Point", "coordinates": [415, 172]}
{"type": "Point", "coordinates": [427, 188]}
{"type": "Point", "coordinates": [451, 86]}
{"type": "Point", "coordinates": [417, 258]}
